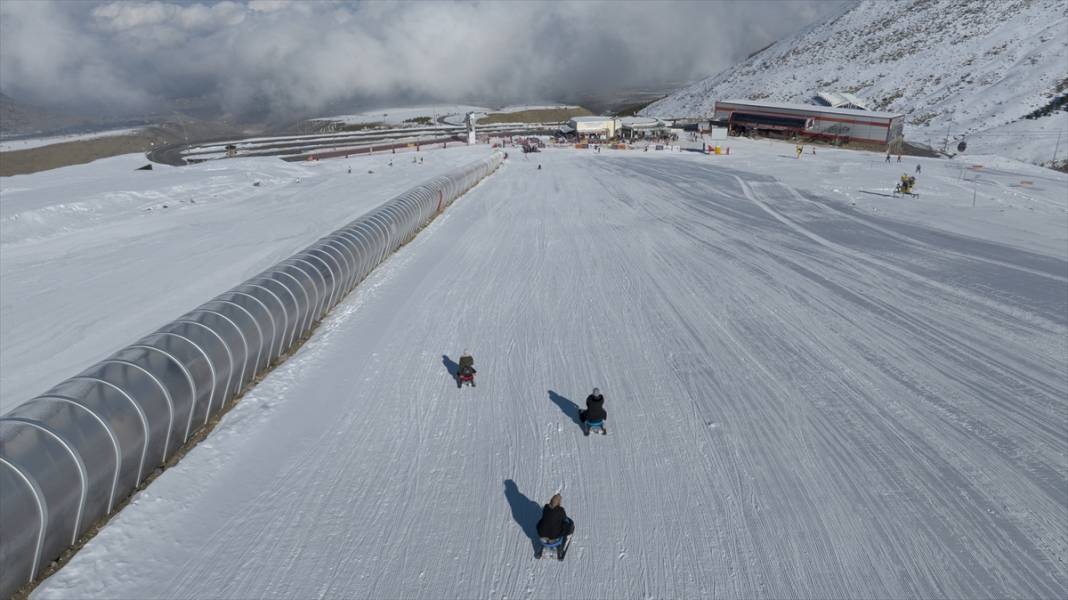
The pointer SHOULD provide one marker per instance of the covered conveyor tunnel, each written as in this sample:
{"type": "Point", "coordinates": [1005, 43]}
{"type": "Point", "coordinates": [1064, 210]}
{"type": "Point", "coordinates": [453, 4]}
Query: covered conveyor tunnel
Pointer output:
{"type": "Point", "coordinates": [69, 456]}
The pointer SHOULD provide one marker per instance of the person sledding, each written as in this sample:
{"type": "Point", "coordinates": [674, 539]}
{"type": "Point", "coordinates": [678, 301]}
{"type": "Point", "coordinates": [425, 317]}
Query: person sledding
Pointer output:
{"type": "Point", "coordinates": [594, 416]}
{"type": "Point", "coordinates": [554, 528]}
{"type": "Point", "coordinates": [465, 373]}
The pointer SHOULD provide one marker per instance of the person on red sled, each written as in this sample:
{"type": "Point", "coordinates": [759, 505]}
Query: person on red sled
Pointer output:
{"type": "Point", "coordinates": [555, 524]}
{"type": "Point", "coordinates": [594, 410]}
{"type": "Point", "coordinates": [466, 370]}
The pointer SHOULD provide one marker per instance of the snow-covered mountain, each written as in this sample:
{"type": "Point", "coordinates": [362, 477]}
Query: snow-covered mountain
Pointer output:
{"type": "Point", "coordinates": [972, 68]}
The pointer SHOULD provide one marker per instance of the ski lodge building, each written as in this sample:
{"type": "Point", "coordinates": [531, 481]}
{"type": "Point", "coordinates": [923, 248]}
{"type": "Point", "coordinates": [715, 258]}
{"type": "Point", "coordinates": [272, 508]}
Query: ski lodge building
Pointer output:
{"type": "Point", "coordinates": [590, 126]}
{"type": "Point", "coordinates": [827, 122]}
{"type": "Point", "coordinates": [610, 127]}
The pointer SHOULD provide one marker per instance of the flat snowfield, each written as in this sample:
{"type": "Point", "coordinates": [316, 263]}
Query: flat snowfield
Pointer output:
{"type": "Point", "coordinates": [94, 256]}
{"type": "Point", "coordinates": [806, 399]}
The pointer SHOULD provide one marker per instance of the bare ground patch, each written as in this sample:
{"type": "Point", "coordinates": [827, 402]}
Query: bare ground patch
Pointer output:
{"type": "Point", "coordinates": [43, 158]}
{"type": "Point", "coordinates": [538, 115]}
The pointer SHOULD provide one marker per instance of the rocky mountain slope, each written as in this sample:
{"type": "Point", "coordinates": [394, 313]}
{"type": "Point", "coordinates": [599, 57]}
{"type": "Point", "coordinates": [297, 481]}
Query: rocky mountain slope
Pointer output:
{"type": "Point", "coordinates": [968, 69]}
{"type": "Point", "coordinates": [17, 118]}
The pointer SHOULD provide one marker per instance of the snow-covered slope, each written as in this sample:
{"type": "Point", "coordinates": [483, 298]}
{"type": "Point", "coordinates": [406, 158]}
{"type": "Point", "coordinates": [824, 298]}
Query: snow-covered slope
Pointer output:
{"type": "Point", "coordinates": [93, 256]}
{"type": "Point", "coordinates": [956, 66]}
{"type": "Point", "coordinates": [813, 392]}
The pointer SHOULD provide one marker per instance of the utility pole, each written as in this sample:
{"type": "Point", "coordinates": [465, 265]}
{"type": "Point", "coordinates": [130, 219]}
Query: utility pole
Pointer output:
{"type": "Point", "coordinates": [1055, 149]}
{"type": "Point", "coordinates": [945, 146]}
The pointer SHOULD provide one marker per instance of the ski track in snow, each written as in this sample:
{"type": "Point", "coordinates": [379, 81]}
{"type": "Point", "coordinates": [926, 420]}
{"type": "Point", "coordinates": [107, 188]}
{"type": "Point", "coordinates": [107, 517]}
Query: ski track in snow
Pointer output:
{"type": "Point", "coordinates": [805, 401]}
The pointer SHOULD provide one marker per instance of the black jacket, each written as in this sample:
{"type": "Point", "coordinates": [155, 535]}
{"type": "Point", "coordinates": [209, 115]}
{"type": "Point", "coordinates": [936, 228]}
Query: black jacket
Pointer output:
{"type": "Point", "coordinates": [595, 408]}
{"type": "Point", "coordinates": [466, 366]}
{"type": "Point", "coordinates": [552, 523]}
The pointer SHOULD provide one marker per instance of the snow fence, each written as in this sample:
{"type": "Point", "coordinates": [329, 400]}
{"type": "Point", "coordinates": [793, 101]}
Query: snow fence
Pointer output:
{"type": "Point", "coordinates": [69, 456]}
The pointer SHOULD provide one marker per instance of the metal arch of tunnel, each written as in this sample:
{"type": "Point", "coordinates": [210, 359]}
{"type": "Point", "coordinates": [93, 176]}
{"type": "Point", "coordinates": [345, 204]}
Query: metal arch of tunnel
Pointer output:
{"type": "Point", "coordinates": [214, 350]}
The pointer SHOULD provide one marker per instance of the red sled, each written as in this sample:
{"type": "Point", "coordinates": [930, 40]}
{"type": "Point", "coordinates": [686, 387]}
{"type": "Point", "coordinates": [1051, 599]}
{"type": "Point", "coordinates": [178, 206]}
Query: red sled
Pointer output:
{"type": "Point", "coordinates": [468, 378]}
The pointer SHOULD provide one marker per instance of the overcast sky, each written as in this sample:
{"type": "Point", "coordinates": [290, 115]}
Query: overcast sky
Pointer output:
{"type": "Point", "coordinates": [282, 58]}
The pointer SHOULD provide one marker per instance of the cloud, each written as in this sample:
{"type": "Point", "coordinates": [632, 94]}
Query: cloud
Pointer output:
{"type": "Point", "coordinates": [124, 16]}
{"type": "Point", "coordinates": [283, 57]}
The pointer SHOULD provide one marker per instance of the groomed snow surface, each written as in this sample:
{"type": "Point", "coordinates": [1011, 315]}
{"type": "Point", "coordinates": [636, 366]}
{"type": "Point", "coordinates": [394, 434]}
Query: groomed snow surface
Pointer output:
{"type": "Point", "coordinates": [94, 256]}
{"type": "Point", "coordinates": [813, 392]}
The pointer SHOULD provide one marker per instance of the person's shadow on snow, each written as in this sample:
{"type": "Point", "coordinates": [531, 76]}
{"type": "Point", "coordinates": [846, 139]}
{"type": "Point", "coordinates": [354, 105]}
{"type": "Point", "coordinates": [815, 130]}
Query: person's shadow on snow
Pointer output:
{"type": "Point", "coordinates": [568, 407]}
{"type": "Point", "coordinates": [450, 366]}
{"type": "Point", "coordinates": [525, 511]}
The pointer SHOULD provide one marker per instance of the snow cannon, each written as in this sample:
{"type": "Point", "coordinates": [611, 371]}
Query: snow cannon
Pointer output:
{"type": "Point", "coordinates": [905, 185]}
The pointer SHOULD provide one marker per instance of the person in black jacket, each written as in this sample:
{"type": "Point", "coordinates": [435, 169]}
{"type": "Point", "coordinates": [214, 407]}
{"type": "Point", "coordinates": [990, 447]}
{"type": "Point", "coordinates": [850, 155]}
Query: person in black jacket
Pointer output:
{"type": "Point", "coordinates": [467, 362]}
{"type": "Point", "coordinates": [555, 524]}
{"type": "Point", "coordinates": [466, 368]}
{"type": "Point", "coordinates": [594, 410]}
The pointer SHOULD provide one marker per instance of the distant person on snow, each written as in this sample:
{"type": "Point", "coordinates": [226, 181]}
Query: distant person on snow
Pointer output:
{"type": "Point", "coordinates": [467, 365]}
{"type": "Point", "coordinates": [918, 169]}
{"type": "Point", "coordinates": [554, 523]}
{"type": "Point", "coordinates": [594, 409]}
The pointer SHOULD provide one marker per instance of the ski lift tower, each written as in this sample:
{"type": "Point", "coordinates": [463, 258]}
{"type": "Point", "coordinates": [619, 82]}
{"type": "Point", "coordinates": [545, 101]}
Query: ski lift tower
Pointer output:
{"type": "Point", "coordinates": [470, 120]}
